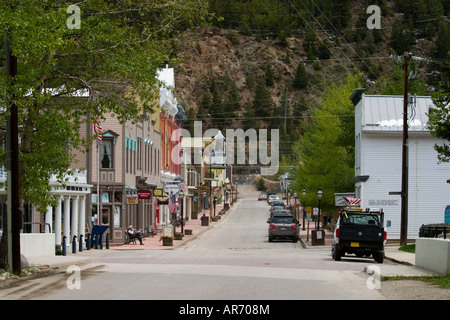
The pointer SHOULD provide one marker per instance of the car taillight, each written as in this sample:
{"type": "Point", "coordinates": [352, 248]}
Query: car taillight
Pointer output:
{"type": "Point", "coordinates": [385, 235]}
{"type": "Point", "coordinates": [337, 233]}
{"type": "Point", "coordinates": [293, 226]}
{"type": "Point", "coordinates": [272, 226]}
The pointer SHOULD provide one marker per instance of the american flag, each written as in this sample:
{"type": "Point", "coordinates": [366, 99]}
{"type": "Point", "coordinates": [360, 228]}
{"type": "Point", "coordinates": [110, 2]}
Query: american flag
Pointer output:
{"type": "Point", "coordinates": [352, 201]}
{"type": "Point", "coordinates": [98, 129]}
{"type": "Point", "coordinates": [172, 204]}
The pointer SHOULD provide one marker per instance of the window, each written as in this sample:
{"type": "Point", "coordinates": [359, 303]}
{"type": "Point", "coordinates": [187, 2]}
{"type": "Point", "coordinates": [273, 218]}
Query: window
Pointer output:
{"type": "Point", "coordinates": [106, 154]}
{"type": "Point", "coordinates": [364, 219]}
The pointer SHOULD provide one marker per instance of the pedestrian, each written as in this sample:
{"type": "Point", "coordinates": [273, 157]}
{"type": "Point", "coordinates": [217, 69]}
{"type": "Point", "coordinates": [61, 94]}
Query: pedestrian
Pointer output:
{"type": "Point", "coordinates": [134, 234]}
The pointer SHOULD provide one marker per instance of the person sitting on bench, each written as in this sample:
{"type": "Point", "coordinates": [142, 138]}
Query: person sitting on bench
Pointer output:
{"type": "Point", "coordinates": [134, 234]}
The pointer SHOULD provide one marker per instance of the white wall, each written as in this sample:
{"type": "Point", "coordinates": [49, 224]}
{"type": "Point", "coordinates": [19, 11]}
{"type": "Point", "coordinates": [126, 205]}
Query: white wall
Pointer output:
{"type": "Point", "coordinates": [428, 192]}
{"type": "Point", "coordinates": [34, 245]}
{"type": "Point", "coordinates": [433, 254]}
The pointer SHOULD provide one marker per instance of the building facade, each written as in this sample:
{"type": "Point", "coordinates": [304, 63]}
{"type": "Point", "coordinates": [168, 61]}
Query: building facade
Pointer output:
{"type": "Point", "coordinates": [378, 161]}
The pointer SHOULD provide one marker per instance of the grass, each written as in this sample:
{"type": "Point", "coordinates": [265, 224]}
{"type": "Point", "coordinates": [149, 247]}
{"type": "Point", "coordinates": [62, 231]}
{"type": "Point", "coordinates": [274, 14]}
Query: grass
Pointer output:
{"type": "Point", "coordinates": [441, 281]}
{"type": "Point", "coordinates": [408, 248]}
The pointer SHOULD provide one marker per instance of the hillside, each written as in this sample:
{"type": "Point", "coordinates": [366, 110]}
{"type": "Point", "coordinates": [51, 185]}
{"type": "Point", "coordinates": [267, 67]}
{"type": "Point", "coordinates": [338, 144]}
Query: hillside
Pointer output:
{"type": "Point", "coordinates": [229, 78]}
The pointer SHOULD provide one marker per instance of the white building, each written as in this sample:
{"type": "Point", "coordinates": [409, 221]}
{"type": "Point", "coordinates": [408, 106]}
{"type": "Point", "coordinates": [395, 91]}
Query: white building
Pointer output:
{"type": "Point", "coordinates": [378, 161]}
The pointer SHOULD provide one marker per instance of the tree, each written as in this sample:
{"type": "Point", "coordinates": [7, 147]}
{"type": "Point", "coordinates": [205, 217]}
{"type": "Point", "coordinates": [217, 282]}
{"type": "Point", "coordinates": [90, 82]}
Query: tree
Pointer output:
{"type": "Point", "coordinates": [260, 186]}
{"type": "Point", "coordinates": [439, 116]}
{"type": "Point", "coordinates": [326, 151]}
{"type": "Point", "coordinates": [262, 102]}
{"type": "Point", "coordinates": [74, 68]}
{"type": "Point", "coordinates": [113, 57]}
{"type": "Point", "coordinates": [301, 77]}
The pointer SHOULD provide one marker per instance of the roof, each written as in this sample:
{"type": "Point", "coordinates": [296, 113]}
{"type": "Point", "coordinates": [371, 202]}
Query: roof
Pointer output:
{"type": "Point", "coordinates": [384, 113]}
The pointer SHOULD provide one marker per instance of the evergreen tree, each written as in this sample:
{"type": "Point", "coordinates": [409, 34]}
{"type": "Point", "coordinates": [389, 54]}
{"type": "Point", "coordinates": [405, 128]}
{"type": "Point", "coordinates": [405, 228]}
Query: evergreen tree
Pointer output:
{"type": "Point", "coordinates": [262, 103]}
{"type": "Point", "coordinates": [301, 77]}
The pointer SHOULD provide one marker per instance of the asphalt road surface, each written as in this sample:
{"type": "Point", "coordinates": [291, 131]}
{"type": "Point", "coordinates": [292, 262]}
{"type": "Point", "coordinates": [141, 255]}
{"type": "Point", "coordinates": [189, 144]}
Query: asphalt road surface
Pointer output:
{"type": "Point", "coordinates": [232, 260]}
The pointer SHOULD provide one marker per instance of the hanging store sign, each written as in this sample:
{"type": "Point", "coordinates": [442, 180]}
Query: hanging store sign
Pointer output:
{"type": "Point", "coordinates": [144, 194]}
{"type": "Point", "coordinates": [132, 199]}
{"type": "Point", "coordinates": [171, 188]}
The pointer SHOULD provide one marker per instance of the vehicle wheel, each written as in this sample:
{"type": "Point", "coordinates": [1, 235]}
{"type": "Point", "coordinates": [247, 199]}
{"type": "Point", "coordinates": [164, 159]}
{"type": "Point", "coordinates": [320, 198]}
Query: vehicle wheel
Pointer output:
{"type": "Point", "coordinates": [270, 239]}
{"type": "Point", "coordinates": [378, 257]}
{"type": "Point", "coordinates": [295, 239]}
{"type": "Point", "coordinates": [335, 253]}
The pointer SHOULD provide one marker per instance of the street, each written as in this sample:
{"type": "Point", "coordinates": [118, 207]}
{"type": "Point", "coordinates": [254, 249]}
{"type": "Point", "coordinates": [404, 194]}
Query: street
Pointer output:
{"type": "Point", "coordinates": [232, 260]}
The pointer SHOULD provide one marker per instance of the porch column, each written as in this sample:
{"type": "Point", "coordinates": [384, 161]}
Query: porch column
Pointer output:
{"type": "Point", "coordinates": [66, 231]}
{"type": "Point", "coordinates": [82, 221]}
{"type": "Point", "coordinates": [58, 222]}
{"type": "Point", "coordinates": [74, 223]}
{"type": "Point", "coordinates": [49, 220]}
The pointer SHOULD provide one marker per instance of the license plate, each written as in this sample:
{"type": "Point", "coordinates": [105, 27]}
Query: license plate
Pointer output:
{"type": "Point", "coordinates": [354, 244]}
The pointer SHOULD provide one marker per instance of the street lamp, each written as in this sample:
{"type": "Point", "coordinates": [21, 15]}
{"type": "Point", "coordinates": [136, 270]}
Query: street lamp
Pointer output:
{"type": "Point", "coordinates": [295, 205]}
{"type": "Point", "coordinates": [304, 208]}
{"type": "Point", "coordinates": [319, 197]}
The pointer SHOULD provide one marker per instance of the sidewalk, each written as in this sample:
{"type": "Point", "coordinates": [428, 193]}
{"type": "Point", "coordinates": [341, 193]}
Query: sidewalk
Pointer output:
{"type": "Point", "coordinates": [148, 243]}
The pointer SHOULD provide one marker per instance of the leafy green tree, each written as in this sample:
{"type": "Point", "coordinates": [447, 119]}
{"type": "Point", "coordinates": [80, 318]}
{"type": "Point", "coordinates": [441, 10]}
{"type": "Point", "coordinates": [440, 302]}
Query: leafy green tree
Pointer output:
{"type": "Point", "coordinates": [440, 115]}
{"type": "Point", "coordinates": [113, 54]}
{"type": "Point", "coordinates": [326, 151]}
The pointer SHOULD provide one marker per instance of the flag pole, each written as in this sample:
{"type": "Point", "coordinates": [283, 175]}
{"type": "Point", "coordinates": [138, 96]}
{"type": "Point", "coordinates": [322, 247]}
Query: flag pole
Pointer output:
{"type": "Point", "coordinates": [98, 180]}
{"type": "Point", "coordinates": [98, 131]}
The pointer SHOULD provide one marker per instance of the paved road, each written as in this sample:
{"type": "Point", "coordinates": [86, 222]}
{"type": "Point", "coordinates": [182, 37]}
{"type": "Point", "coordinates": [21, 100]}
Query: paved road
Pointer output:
{"type": "Point", "coordinates": [231, 261]}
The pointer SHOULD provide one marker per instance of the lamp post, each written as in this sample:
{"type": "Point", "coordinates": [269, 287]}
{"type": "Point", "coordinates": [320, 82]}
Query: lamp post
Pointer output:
{"type": "Point", "coordinates": [295, 205]}
{"type": "Point", "coordinates": [319, 197]}
{"type": "Point", "coordinates": [304, 208]}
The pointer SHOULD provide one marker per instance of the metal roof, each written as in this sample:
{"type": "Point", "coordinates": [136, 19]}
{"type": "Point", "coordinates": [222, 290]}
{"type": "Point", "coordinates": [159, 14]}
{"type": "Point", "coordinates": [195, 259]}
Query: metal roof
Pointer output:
{"type": "Point", "coordinates": [385, 113]}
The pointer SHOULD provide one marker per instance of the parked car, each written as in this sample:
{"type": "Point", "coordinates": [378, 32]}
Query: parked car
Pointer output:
{"type": "Point", "coordinates": [273, 197]}
{"type": "Point", "coordinates": [262, 196]}
{"type": "Point", "coordinates": [278, 204]}
{"type": "Point", "coordinates": [283, 226]}
{"type": "Point", "coordinates": [269, 194]}
{"type": "Point", "coordinates": [359, 231]}
{"type": "Point", "coordinates": [279, 212]}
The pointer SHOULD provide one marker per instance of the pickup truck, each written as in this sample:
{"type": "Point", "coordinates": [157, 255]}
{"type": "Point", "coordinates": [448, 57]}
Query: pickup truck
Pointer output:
{"type": "Point", "coordinates": [359, 231]}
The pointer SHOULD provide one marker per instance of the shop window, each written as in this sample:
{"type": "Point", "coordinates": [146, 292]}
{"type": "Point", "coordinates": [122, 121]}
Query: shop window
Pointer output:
{"type": "Point", "coordinates": [107, 154]}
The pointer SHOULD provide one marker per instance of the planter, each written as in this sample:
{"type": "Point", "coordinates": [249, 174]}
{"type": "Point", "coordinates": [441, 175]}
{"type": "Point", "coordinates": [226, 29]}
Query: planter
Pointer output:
{"type": "Point", "coordinates": [215, 219]}
{"type": "Point", "coordinates": [188, 232]}
{"type": "Point", "coordinates": [178, 236]}
{"type": "Point", "coordinates": [167, 241]}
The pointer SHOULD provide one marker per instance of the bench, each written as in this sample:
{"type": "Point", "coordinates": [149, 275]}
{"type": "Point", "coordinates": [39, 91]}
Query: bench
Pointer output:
{"type": "Point", "coordinates": [130, 238]}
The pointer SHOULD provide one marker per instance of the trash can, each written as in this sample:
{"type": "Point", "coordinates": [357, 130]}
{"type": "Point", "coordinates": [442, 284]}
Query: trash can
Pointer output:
{"type": "Point", "coordinates": [97, 235]}
{"type": "Point", "coordinates": [205, 221]}
{"type": "Point", "coordinates": [317, 237]}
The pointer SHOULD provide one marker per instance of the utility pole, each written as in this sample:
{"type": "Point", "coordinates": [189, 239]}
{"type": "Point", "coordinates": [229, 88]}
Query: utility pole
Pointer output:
{"type": "Point", "coordinates": [12, 164]}
{"type": "Point", "coordinates": [404, 195]}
